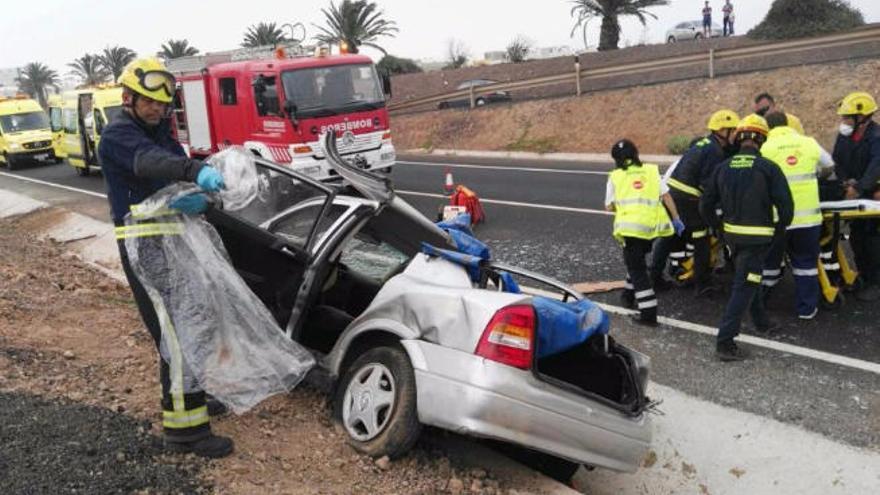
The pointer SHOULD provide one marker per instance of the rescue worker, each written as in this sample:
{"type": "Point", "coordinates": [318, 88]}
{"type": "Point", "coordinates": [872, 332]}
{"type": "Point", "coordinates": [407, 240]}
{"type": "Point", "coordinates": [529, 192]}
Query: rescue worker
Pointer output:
{"type": "Point", "coordinates": [686, 183]}
{"type": "Point", "coordinates": [802, 162]}
{"type": "Point", "coordinates": [765, 104]}
{"type": "Point", "coordinates": [636, 195]}
{"type": "Point", "coordinates": [857, 157]}
{"type": "Point", "coordinates": [747, 188]}
{"type": "Point", "coordinates": [138, 157]}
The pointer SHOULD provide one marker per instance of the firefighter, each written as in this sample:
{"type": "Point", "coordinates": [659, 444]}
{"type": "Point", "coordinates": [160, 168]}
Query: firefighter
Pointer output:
{"type": "Point", "coordinates": [686, 184]}
{"type": "Point", "coordinates": [802, 161]}
{"type": "Point", "coordinates": [747, 188]}
{"type": "Point", "coordinates": [857, 158]}
{"type": "Point", "coordinates": [637, 196]}
{"type": "Point", "coordinates": [138, 157]}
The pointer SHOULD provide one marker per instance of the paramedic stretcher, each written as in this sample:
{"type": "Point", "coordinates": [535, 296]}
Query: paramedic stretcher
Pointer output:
{"type": "Point", "coordinates": [834, 213]}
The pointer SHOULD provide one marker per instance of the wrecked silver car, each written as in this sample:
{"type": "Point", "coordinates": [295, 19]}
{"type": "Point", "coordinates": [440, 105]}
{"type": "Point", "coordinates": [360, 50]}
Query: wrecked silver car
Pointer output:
{"type": "Point", "coordinates": [410, 338]}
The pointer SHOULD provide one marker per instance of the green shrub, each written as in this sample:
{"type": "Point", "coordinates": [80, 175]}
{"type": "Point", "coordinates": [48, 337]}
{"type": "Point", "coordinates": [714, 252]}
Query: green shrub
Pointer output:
{"type": "Point", "coordinates": [678, 144]}
{"type": "Point", "coordinates": [801, 18]}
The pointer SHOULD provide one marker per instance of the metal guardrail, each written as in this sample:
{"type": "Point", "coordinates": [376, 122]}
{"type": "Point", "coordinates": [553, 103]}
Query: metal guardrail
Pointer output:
{"type": "Point", "coordinates": [711, 58]}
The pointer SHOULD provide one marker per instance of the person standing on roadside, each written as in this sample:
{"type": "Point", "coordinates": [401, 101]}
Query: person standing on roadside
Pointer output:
{"type": "Point", "coordinates": [857, 157]}
{"type": "Point", "coordinates": [751, 191]}
{"type": "Point", "coordinates": [637, 197]}
{"type": "Point", "coordinates": [707, 20]}
{"type": "Point", "coordinates": [728, 18]}
{"type": "Point", "coordinates": [138, 157]}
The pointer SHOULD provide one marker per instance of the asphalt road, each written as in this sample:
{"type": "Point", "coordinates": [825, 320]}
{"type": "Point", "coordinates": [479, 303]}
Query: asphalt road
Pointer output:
{"type": "Point", "coordinates": [547, 217]}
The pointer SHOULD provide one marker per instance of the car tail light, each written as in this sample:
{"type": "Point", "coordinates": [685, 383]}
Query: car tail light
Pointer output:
{"type": "Point", "coordinates": [302, 149]}
{"type": "Point", "coordinates": [509, 337]}
{"type": "Point", "coordinates": [386, 136]}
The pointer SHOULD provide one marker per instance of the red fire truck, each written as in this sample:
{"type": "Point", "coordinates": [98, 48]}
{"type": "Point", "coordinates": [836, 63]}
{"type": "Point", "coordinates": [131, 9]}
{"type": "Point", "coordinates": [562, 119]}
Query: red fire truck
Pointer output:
{"type": "Point", "coordinates": [279, 106]}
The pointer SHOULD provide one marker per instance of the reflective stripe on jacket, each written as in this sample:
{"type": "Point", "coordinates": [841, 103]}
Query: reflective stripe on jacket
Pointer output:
{"type": "Point", "coordinates": [798, 158]}
{"type": "Point", "coordinates": [638, 210]}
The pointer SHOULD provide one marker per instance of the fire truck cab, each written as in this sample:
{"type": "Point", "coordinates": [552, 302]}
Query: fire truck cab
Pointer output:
{"type": "Point", "coordinates": [280, 107]}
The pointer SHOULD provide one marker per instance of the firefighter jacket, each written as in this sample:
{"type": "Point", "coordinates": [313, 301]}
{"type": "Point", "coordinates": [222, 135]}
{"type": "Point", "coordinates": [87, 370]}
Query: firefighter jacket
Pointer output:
{"type": "Point", "coordinates": [859, 160]}
{"type": "Point", "coordinates": [696, 167]}
{"type": "Point", "coordinates": [638, 210]}
{"type": "Point", "coordinates": [798, 158]}
{"type": "Point", "coordinates": [137, 161]}
{"type": "Point", "coordinates": [748, 188]}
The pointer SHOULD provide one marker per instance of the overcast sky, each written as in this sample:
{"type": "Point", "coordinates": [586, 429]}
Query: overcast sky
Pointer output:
{"type": "Point", "coordinates": [57, 31]}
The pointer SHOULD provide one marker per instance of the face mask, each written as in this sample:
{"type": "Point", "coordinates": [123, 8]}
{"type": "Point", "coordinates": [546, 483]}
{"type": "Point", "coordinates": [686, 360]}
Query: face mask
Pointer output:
{"type": "Point", "coordinates": [845, 130]}
{"type": "Point", "coordinates": [763, 111]}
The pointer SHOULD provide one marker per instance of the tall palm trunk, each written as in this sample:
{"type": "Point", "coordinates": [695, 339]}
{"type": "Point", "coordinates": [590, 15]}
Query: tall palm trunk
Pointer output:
{"type": "Point", "coordinates": [609, 35]}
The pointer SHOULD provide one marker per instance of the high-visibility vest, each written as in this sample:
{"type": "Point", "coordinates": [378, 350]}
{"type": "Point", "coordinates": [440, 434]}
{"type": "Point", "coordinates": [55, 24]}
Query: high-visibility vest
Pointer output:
{"type": "Point", "coordinates": [798, 158]}
{"type": "Point", "coordinates": [638, 210]}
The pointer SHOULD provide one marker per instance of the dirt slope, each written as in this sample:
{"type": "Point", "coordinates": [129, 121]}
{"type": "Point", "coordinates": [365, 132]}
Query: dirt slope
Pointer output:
{"type": "Point", "coordinates": [650, 115]}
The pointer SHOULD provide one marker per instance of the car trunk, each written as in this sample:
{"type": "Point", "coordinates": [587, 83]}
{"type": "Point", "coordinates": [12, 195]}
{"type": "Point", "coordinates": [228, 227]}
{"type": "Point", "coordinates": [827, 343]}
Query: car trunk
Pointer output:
{"type": "Point", "coordinates": [600, 369]}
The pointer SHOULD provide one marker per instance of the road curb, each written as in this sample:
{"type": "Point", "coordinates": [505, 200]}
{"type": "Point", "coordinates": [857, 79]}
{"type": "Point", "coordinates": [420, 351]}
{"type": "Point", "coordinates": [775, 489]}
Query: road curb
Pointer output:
{"type": "Point", "coordinates": [94, 242]}
{"type": "Point", "coordinates": [523, 155]}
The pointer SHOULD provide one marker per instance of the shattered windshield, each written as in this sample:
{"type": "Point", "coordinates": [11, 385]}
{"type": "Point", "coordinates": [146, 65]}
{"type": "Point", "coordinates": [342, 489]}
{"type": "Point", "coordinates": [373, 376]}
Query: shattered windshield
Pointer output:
{"type": "Point", "coordinates": [326, 91]}
{"type": "Point", "coordinates": [20, 122]}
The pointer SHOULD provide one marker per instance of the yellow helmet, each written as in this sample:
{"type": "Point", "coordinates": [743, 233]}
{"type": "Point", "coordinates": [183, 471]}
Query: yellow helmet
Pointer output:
{"type": "Point", "coordinates": [723, 119]}
{"type": "Point", "coordinates": [858, 103]}
{"type": "Point", "coordinates": [753, 123]}
{"type": "Point", "coordinates": [150, 78]}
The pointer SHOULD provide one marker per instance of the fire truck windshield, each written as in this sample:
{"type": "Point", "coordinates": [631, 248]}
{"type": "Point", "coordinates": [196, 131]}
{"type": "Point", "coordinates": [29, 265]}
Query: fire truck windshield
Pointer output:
{"type": "Point", "coordinates": [27, 121]}
{"type": "Point", "coordinates": [332, 90]}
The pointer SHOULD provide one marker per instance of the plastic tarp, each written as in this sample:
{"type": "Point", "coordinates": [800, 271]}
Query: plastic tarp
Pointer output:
{"type": "Point", "coordinates": [213, 326]}
{"type": "Point", "coordinates": [562, 326]}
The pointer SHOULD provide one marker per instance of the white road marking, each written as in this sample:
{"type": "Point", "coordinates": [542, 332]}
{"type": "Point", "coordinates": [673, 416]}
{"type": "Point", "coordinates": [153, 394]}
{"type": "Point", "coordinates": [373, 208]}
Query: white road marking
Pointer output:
{"type": "Point", "coordinates": [500, 167]}
{"type": "Point", "coordinates": [52, 184]}
{"type": "Point", "coordinates": [828, 357]}
{"type": "Point", "coordinates": [516, 203]}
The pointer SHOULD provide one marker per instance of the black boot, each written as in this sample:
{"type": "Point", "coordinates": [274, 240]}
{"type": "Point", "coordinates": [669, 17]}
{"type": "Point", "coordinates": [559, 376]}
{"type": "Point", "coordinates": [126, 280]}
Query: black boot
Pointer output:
{"type": "Point", "coordinates": [647, 317]}
{"type": "Point", "coordinates": [729, 351]}
{"type": "Point", "coordinates": [661, 284]}
{"type": "Point", "coordinates": [211, 447]}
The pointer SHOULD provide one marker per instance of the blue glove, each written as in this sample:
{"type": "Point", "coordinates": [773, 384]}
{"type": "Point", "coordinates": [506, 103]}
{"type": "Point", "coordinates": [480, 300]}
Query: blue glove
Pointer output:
{"type": "Point", "coordinates": [209, 179]}
{"type": "Point", "coordinates": [678, 225]}
{"type": "Point", "coordinates": [191, 204]}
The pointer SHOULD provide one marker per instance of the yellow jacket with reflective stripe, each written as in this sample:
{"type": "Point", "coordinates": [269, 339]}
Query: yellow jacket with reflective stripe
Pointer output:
{"type": "Point", "coordinates": [798, 158]}
{"type": "Point", "coordinates": [638, 210]}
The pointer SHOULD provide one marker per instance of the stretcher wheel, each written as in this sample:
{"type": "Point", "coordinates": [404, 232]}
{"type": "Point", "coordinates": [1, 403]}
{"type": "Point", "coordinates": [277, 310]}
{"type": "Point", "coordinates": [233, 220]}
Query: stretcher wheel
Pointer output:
{"type": "Point", "coordinates": [837, 303]}
{"type": "Point", "coordinates": [855, 286]}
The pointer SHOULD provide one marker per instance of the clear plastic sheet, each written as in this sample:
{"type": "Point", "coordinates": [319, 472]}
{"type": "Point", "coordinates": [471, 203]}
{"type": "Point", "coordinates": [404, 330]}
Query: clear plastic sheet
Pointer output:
{"type": "Point", "coordinates": [221, 335]}
{"type": "Point", "coordinates": [243, 184]}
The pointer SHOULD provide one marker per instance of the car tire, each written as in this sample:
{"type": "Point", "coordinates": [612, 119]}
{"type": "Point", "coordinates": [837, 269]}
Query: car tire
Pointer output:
{"type": "Point", "coordinates": [671, 39]}
{"type": "Point", "coordinates": [82, 171]}
{"type": "Point", "coordinates": [443, 105]}
{"type": "Point", "coordinates": [698, 36]}
{"type": "Point", "coordinates": [480, 102]}
{"type": "Point", "coordinates": [11, 162]}
{"type": "Point", "coordinates": [379, 372]}
{"type": "Point", "coordinates": [58, 159]}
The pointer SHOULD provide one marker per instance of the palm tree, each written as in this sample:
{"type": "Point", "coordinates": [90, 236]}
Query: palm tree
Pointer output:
{"type": "Point", "coordinates": [35, 78]}
{"type": "Point", "coordinates": [610, 11]}
{"type": "Point", "coordinates": [177, 49]}
{"type": "Point", "coordinates": [262, 34]}
{"type": "Point", "coordinates": [89, 69]}
{"type": "Point", "coordinates": [355, 23]}
{"type": "Point", "coordinates": [115, 58]}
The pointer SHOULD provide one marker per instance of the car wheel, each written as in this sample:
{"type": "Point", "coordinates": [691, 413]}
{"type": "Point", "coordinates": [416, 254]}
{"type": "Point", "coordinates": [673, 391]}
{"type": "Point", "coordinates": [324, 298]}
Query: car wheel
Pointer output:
{"type": "Point", "coordinates": [480, 102]}
{"type": "Point", "coordinates": [698, 36]}
{"type": "Point", "coordinates": [11, 162]}
{"type": "Point", "coordinates": [82, 171]}
{"type": "Point", "coordinates": [443, 105]}
{"type": "Point", "coordinates": [58, 159]}
{"type": "Point", "coordinates": [376, 403]}
{"type": "Point", "coordinates": [671, 39]}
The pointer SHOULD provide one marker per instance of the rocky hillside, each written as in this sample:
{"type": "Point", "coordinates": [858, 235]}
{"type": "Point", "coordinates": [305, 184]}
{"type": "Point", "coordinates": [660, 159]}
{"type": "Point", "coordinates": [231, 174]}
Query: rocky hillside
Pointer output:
{"type": "Point", "coordinates": [650, 115]}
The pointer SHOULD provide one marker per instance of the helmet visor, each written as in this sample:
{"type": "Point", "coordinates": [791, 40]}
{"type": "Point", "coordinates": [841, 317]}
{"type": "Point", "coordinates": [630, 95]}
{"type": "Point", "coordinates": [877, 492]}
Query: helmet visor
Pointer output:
{"type": "Point", "coordinates": [155, 80]}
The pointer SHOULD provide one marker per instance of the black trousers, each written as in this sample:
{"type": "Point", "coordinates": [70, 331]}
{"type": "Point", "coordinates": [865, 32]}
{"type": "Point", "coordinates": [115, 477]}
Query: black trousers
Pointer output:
{"type": "Point", "coordinates": [696, 234]}
{"type": "Point", "coordinates": [748, 261]}
{"type": "Point", "coordinates": [192, 401]}
{"type": "Point", "coordinates": [638, 283]}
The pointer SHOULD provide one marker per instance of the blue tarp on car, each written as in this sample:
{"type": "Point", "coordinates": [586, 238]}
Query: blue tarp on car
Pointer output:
{"type": "Point", "coordinates": [562, 326]}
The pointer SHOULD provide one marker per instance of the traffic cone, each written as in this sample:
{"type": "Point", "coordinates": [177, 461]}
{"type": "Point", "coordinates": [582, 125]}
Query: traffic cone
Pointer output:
{"type": "Point", "coordinates": [449, 186]}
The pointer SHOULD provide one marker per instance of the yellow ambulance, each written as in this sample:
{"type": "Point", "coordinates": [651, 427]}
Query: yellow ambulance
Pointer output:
{"type": "Point", "coordinates": [84, 115]}
{"type": "Point", "coordinates": [24, 132]}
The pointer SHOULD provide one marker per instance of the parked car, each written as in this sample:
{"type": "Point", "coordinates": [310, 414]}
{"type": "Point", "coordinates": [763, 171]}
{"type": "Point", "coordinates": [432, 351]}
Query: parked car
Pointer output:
{"type": "Point", "coordinates": [481, 98]}
{"type": "Point", "coordinates": [691, 30]}
{"type": "Point", "coordinates": [409, 340]}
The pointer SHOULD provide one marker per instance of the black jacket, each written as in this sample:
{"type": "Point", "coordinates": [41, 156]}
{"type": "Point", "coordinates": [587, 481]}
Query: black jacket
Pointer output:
{"type": "Point", "coordinates": [747, 188]}
{"type": "Point", "coordinates": [859, 160]}
{"type": "Point", "coordinates": [137, 161]}
{"type": "Point", "coordinates": [698, 164]}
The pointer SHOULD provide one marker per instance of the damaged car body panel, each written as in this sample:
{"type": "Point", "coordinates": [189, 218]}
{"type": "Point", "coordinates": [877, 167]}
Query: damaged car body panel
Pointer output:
{"type": "Point", "coordinates": [400, 331]}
